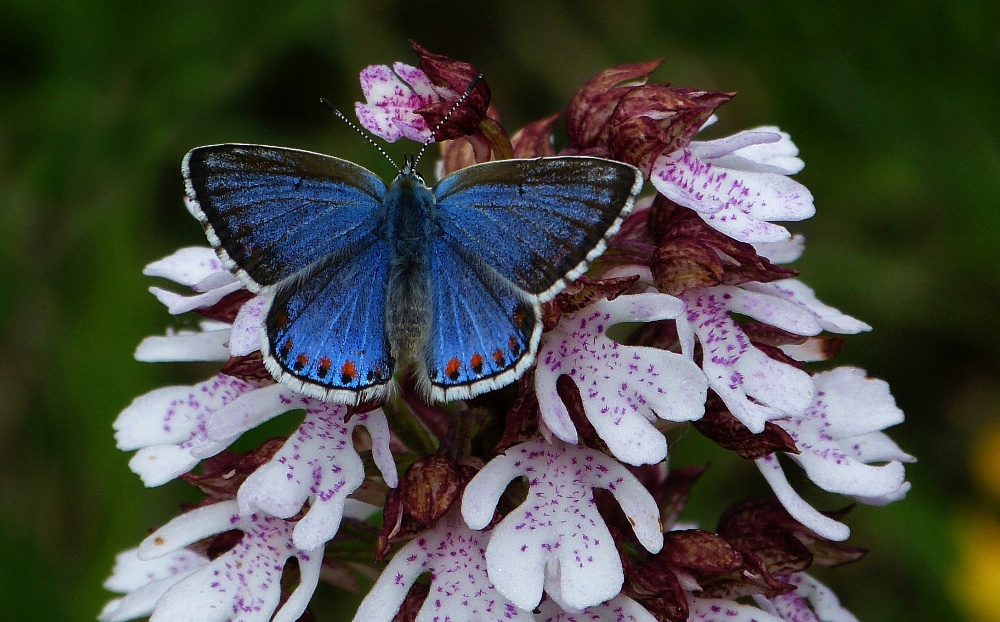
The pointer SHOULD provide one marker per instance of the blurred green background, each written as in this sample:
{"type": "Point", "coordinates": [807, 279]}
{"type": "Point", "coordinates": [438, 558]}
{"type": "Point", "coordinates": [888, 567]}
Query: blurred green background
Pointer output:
{"type": "Point", "coordinates": [893, 104]}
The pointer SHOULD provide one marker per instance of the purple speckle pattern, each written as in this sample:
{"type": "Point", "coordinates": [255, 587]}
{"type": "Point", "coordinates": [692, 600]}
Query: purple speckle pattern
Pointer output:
{"type": "Point", "coordinates": [810, 602]}
{"type": "Point", "coordinates": [243, 584]}
{"type": "Point", "coordinates": [739, 203]}
{"type": "Point", "coordinates": [197, 267]}
{"type": "Point", "coordinates": [556, 538]}
{"type": "Point", "coordinates": [719, 610]}
{"type": "Point", "coordinates": [838, 435]}
{"type": "Point", "coordinates": [389, 111]}
{"type": "Point", "coordinates": [754, 386]}
{"type": "Point", "coordinates": [618, 609]}
{"type": "Point", "coordinates": [461, 590]}
{"type": "Point", "coordinates": [623, 388]}
{"type": "Point", "coordinates": [168, 426]}
{"type": "Point", "coordinates": [245, 335]}
{"type": "Point", "coordinates": [318, 464]}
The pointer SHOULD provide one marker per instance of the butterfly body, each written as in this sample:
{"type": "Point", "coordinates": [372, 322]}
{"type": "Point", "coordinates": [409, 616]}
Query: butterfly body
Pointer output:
{"type": "Point", "coordinates": [364, 279]}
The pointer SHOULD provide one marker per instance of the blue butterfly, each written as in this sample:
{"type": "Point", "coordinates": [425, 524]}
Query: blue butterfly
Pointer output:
{"type": "Point", "coordinates": [366, 279]}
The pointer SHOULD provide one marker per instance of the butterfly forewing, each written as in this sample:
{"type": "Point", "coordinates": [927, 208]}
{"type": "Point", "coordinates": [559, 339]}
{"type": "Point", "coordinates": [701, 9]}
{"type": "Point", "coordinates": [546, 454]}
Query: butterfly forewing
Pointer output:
{"type": "Point", "coordinates": [326, 328]}
{"type": "Point", "coordinates": [539, 222]}
{"type": "Point", "coordinates": [484, 332]}
{"type": "Point", "coordinates": [271, 212]}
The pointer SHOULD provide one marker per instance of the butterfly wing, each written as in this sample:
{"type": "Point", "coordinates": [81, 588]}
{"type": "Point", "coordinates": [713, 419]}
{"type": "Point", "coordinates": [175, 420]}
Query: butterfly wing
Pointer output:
{"type": "Point", "coordinates": [538, 222]}
{"type": "Point", "coordinates": [270, 212]}
{"type": "Point", "coordinates": [484, 331]}
{"type": "Point", "coordinates": [325, 328]}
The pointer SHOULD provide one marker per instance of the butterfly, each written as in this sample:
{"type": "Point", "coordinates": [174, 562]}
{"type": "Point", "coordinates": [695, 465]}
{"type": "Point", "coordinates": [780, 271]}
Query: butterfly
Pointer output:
{"type": "Point", "coordinates": [364, 279]}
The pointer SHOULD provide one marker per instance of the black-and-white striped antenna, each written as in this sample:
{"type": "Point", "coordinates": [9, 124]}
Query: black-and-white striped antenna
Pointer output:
{"type": "Point", "coordinates": [451, 111]}
{"type": "Point", "coordinates": [357, 129]}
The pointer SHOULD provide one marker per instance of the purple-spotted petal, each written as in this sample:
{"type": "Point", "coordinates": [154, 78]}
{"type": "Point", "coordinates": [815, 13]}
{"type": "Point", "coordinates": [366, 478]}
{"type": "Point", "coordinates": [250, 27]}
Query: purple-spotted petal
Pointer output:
{"type": "Point", "coordinates": [243, 584]}
{"type": "Point", "coordinates": [785, 251]}
{"type": "Point", "coordinates": [197, 267]}
{"type": "Point", "coordinates": [460, 589]}
{"type": "Point", "coordinates": [838, 436]}
{"type": "Point", "coordinates": [738, 203]}
{"type": "Point", "coordinates": [245, 336]}
{"type": "Point", "coordinates": [390, 110]}
{"type": "Point", "coordinates": [720, 610]}
{"type": "Point", "coordinates": [168, 424]}
{"type": "Point", "coordinates": [800, 294]}
{"type": "Point", "coordinates": [754, 386]}
{"type": "Point", "coordinates": [143, 582]}
{"type": "Point", "coordinates": [556, 539]}
{"type": "Point", "coordinates": [618, 609]}
{"type": "Point", "coordinates": [623, 388]}
{"type": "Point", "coordinates": [763, 150]}
{"type": "Point", "coordinates": [810, 602]}
{"type": "Point", "coordinates": [317, 464]}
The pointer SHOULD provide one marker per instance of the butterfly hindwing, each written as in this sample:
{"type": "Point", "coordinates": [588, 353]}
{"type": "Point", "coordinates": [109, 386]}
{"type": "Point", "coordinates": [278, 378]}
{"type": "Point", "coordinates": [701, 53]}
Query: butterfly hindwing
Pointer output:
{"type": "Point", "coordinates": [537, 222]}
{"type": "Point", "coordinates": [484, 331]}
{"type": "Point", "coordinates": [325, 328]}
{"type": "Point", "coordinates": [271, 211]}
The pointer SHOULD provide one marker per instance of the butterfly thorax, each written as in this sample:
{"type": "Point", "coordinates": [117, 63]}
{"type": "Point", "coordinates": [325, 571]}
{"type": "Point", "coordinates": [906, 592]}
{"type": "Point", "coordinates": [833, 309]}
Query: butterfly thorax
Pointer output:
{"type": "Point", "coordinates": [409, 207]}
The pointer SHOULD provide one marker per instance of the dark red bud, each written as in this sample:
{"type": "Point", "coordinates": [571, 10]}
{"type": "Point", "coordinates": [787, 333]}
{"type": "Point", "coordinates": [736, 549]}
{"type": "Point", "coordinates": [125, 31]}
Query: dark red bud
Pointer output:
{"type": "Point", "coordinates": [429, 487]}
{"type": "Point", "coordinates": [591, 108]}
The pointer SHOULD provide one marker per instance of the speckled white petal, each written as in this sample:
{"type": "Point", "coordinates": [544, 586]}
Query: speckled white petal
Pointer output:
{"type": "Point", "coordinates": [245, 337]}
{"type": "Point", "coordinates": [557, 530]}
{"type": "Point", "coordinates": [253, 409]}
{"type": "Point", "coordinates": [737, 370]}
{"type": "Point", "coordinates": [168, 427]}
{"type": "Point", "coordinates": [460, 587]}
{"type": "Point", "coordinates": [389, 111]}
{"type": "Point", "coordinates": [618, 609]}
{"type": "Point", "coordinates": [719, 610]}
{"type": "Point", "coordinates": [317, 464]}
{"type": "Point", "coordinates": [185, 346]}
{"type": "Point", "coordinates": [810, 602]}
{"type": "Point", "coordinates": [188, 266]}
{"type": "Point", "coordinates": [177, 303]}
{"type": "Point", "coordinates": [737, 203]}
{"type": "Point", "coordinates": [623, 388]}
{"type": "Point", "coordinates": [144, 581]}
{"type": "Point", "coordinates": [796, 505]}
{"type": "Point", "coordinates": [800, 294]}
{"type": "Point", "coordinates": [764, 149]}
{"type": "Point", "coordinates": [188, 528]}
{"type": "Point", "coordinates": [855, 404]}
{"type": "Point", "coordinates": [242, 584]}
{"type": "Point", "coordinates": [770, 309]}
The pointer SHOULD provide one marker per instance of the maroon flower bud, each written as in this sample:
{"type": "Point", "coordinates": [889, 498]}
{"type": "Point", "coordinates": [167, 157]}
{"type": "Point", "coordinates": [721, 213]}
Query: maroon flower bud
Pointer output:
{"type": "Point", "coordinates": [591, 109]}
{"type": "Point", "coordinates": [429, 487]}
{"type": "Point", "coordinates": [728, 432]}
{"type": "Point", "coordinates": [222, 475]}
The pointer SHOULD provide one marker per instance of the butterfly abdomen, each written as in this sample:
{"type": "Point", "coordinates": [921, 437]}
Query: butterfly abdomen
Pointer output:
{"type": "Point", "coordinates": [408, 205]}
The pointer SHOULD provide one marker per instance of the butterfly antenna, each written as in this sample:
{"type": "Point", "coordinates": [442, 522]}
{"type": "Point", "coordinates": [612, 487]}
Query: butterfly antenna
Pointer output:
{"type": "Point", "coordinates": [451, 111]}
{"type": "Point", "coordinates": [357, 129]}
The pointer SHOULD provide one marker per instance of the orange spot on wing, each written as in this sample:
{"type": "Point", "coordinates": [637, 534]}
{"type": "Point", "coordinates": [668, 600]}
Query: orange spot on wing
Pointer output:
{"type": "Point", "coordinates": [285, 349]}
{"type": "Point", "coordinates": [514, 346]}
{"type": "Point", "coordinates": [281, 319]}
{"type": "Point", "coordinates": [454, 365]}
{"type": "Point", "coordinates": [498, 356]}
{"type": "Point", "coordinates": [520, 315]}
{"type": "Point", "coordinates": [324, 367]}
{"type": "Point", "coordinates": [477, 363]}
{"type": "Point", "coordinates": [301, 361]}
{"type": "Point", "coordinates": [348, 372]}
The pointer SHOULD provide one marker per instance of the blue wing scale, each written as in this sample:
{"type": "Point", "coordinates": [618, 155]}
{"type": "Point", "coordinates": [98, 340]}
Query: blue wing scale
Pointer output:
{"type": "Point", "coordinates": [325, 330]}
{"type": "Point", "coordinates": [271, 212]}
